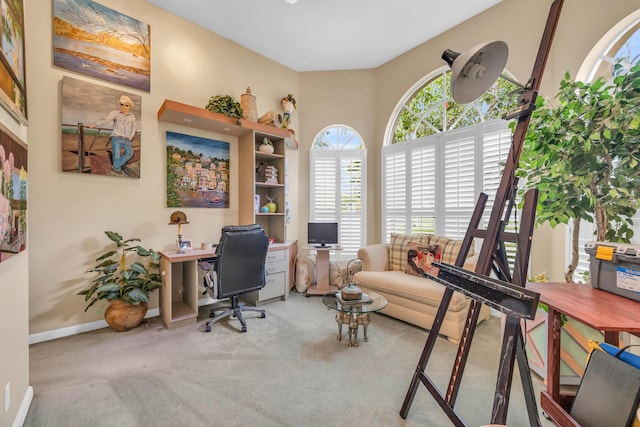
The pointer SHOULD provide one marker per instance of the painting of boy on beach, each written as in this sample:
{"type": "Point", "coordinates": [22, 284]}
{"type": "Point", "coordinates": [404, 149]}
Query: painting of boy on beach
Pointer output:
{"type": "Point", "coordinates": [92, 39]}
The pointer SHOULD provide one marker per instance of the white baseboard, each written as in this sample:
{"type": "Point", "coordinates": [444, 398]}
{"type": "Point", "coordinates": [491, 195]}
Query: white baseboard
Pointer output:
{"type": "Point", "coordinates": [21, 416]}
{"type": "Point", "coordinates": [77, 329]}
{"type": "Point", "coordinates": [92, 326]}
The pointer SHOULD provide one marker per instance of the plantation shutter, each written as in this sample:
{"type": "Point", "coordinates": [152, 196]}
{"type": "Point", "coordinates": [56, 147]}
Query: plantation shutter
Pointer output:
{"type": "Point", "coordinates": [337, 194]}
{"type": "Point", "coordinates": [431, 185]}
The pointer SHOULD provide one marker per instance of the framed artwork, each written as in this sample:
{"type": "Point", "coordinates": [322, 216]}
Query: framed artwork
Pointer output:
{"type": "Point", "coordinates": [13, 196]}
{"type": "Point", "coordinates": [100, 130]}
{"type": "Point", "coordinates": [92, 39]}
{"type": "Point", "coordinates": [184, 245]}
{"type": "Point", "coordinates": [13, 85]}
{"type": "Point", "coordinates": [197, 172]}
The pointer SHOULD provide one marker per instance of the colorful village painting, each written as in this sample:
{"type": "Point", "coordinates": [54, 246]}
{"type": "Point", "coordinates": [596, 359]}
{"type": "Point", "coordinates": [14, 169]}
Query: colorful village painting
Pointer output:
{"type": "Point", "coordinates": [92, 39]}
{"type": "Point", "coordinates": [197, 172]}
{"type": "Point", "coordinates": [13, 197]}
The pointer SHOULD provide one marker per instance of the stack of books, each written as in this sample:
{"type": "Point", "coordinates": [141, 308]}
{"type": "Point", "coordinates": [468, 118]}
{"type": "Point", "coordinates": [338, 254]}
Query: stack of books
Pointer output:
{"type": "Point", "coordinates": [271, 175]}
{"type": "Point", "coordinates": [365, 299]}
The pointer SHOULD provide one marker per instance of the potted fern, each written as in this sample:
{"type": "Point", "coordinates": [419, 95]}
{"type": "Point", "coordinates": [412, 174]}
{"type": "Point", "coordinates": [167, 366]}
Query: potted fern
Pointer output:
{"type": "Point", "coordinates": [126, 276]}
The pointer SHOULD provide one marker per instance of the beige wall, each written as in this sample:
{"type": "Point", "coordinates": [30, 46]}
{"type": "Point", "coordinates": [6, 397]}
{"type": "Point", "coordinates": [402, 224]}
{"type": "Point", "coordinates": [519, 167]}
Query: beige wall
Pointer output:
{"type": "Point", "coordinates": [68, 212]}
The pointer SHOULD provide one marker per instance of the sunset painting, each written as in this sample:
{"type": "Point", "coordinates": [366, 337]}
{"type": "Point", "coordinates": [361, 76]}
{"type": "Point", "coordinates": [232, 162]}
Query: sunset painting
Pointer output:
{"type": "Point", "coordinates": [92, 39]}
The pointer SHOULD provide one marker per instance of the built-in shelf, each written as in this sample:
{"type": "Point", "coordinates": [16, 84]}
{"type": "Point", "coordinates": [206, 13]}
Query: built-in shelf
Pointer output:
{"type": "Point", "coordinates": [251, 164]}
{"type": "Point", "coordinates": [200, 118]}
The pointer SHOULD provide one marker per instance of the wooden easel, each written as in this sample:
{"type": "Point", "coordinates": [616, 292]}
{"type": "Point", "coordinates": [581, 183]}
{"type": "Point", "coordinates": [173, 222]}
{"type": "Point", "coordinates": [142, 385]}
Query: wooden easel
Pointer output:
{"type": "Point", "coordinates": [492, 258]}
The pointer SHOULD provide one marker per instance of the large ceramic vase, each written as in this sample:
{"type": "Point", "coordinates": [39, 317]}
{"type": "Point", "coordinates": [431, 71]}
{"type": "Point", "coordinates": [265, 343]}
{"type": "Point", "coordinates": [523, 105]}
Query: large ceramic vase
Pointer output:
{"type": "Point", "coordinates": [122, 316]}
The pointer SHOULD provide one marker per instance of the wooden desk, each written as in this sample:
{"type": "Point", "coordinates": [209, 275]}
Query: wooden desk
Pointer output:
{"type": "Point", "coordinates": [598, 309]}
{"type": "Point", "coordinates": [179, 295]}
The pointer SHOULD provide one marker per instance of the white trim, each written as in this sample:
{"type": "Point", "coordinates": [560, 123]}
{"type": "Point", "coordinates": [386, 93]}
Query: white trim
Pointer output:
{"type": "Point", "coordinates": [587, 70]}
{"type": "Point", "coordinates": [92, 326]}
{"type": "Point", "coordinates": [21, 415]}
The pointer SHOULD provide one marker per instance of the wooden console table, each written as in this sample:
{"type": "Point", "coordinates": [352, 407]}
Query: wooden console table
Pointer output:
{"type": "Point", "coordinates": [598, 309]}
{"type": "Point", "coordinates": [322, 285]}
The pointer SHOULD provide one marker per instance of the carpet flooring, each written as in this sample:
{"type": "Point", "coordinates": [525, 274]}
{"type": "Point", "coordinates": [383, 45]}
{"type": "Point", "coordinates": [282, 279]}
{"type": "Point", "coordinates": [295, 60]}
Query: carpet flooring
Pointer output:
{"type": "Point", "coordinates": [286, 370]}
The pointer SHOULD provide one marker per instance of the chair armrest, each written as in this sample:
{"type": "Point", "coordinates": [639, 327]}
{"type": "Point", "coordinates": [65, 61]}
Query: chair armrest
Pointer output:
{"type": "Point", "coordinates": [374, 257]}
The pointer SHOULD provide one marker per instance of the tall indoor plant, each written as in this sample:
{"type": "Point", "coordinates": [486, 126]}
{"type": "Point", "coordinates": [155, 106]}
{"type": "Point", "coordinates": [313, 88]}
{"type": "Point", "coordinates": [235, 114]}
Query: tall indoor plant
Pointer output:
{"type": "Point", "coordinates": [126, 275]}
{"type": "Point", "coordinates": [583, 154]}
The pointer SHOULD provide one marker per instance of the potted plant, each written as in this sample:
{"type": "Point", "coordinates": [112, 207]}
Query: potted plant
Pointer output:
{"type": "Point", "coordinates": [583, 154]}
{"type": "Point", "coordinates": [126, 275]}
{"type": "Point", "coordinates": [227, 105]}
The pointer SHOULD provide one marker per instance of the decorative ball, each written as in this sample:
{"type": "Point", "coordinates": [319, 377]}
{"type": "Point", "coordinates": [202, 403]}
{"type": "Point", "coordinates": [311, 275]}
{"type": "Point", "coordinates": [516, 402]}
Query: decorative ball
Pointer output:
{"type": "Point", "coordinates": [272, 207]}
{"type": "Point", "coordinates": [264, 209]}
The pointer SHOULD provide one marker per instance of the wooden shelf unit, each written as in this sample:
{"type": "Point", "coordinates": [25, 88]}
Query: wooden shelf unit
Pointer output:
{"type": "Point", "coordinates": [250, 135]}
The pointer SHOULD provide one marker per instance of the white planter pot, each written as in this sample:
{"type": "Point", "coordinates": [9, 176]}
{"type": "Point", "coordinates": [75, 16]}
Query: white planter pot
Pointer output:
{"type": "Point", "coordinates": [264, 148]}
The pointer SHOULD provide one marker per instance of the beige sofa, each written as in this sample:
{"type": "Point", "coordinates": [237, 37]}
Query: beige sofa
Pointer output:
{"type": "Point", "coordinates": [411, 298]}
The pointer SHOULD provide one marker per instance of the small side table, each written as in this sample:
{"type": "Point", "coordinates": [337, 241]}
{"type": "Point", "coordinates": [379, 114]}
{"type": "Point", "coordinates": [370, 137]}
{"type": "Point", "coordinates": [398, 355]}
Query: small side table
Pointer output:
{"type": "Point", "coordinates": [322, 270]}
{"type": "Point", "coordinates": [354, 315]}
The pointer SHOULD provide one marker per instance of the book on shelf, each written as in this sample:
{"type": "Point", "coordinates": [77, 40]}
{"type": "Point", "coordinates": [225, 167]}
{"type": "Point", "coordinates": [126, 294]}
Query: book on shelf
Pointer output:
{"type": "Point", "coordinates": [365, 299]}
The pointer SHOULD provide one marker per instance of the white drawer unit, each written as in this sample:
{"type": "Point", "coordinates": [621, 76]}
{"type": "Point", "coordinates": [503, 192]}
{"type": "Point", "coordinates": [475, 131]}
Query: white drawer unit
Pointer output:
{"type": "Point", "coordinates": [277, 286]}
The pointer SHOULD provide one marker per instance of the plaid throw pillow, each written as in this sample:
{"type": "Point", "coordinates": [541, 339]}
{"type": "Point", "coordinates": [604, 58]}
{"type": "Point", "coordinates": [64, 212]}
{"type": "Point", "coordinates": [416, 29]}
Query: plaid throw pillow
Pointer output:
{"type": "Point", "coordinates": [398, 248]}
{"type": "Point", "coordinates": [420, 257]}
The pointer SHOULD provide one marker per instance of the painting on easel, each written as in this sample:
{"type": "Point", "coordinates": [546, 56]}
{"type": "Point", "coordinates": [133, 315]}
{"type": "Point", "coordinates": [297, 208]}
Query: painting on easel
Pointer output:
{"type": "Point", "coordinates": [13, 196]}
{"type": "Point", "coordinates": [91, 39]}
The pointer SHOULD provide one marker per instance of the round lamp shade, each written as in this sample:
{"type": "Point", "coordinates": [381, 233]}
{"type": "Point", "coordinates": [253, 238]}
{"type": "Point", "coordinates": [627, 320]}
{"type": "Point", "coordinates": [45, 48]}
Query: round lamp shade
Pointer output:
{"type": "Point", "coordinates": [475, 71]}
{"type": "Point", "coordinates": [178, 217]}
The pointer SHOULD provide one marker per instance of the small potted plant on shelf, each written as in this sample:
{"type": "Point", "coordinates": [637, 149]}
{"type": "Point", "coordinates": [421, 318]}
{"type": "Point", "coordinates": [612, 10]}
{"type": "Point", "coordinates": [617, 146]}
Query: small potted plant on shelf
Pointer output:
{"type": "Point", "coordinates": [227, 105]}
{"type": "Point", "coordinates": [266, 146]}
{"type": "Point", "coordinates": [126, 283]}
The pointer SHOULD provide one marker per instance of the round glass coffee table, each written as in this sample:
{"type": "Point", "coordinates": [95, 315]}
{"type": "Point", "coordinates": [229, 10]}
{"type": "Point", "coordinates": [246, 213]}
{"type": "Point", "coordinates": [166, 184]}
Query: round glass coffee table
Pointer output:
{"type": "Point", "coordinates": [354, 314]}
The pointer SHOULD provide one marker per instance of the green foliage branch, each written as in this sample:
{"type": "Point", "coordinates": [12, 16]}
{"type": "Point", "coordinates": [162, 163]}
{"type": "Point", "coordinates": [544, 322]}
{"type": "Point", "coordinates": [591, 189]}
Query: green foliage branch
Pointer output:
{"type": "Point", "coordinates": [582, 154]}
{"type": "Point", "coordinates": [117, 279]}
{"type": "Point", "coordinates": [226, 105]}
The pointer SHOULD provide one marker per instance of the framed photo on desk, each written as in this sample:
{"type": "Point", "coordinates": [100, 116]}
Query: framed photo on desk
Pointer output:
{"type": "Point", "coordinates": [185, 246]}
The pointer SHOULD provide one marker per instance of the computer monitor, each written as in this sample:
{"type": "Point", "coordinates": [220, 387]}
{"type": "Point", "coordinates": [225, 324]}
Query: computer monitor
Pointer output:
{"type": "Point", "coordinates": [322, 234]}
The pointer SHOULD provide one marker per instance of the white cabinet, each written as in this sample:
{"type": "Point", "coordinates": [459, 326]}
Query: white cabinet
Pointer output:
{"type": "Point", "coordinates": [277, 266]}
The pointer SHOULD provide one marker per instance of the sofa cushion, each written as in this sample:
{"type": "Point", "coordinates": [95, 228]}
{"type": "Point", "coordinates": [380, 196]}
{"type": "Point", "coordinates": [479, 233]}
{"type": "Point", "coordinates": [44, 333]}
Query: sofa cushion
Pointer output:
{"type": "Point", "coordinates": [414, 288]}
{"type": "Point", "coordinates": [398, 248]}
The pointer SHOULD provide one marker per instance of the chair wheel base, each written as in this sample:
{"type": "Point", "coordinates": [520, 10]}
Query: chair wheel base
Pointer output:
{"type": "Point", "coordinates": [244, 329]}
{"type": "Point", "coordinates": [207, 328]}
{"type": "Point", "coordinates": [263, 315]}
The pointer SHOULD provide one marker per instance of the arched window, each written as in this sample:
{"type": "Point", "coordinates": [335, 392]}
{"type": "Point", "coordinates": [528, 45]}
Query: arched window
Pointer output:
{"type": "Point", "coordinates": [439, 155]}
{"type": "Point", "coordinates": [337, 184]}
{"type": "Point", "coordinates": [620, 44]}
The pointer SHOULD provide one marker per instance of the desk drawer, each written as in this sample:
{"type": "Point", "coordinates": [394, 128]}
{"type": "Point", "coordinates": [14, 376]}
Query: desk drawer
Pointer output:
{"type": "Point", "coordinates": [273, 256]}
{"type": "Point", "coordinates": [274, 287]}
{"type": "Point", "coordinates": [275, 267]}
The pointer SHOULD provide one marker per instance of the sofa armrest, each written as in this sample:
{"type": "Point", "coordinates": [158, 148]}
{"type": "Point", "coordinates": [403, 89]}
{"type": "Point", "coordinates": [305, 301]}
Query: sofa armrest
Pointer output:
{"type": "Point", "coordinates": [374, 257]}
{"type": "Point", "coordinates": [470, 262]}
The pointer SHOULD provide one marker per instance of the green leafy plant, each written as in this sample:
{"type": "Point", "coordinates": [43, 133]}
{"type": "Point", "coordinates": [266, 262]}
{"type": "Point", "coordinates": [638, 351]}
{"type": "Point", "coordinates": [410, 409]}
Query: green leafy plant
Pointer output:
{"type": "Point", "coordinates": [226, 105]}
{"type": "Point", "coordinates": [583, 156]}
{"type": "Point", "coordinates": [120, 279]}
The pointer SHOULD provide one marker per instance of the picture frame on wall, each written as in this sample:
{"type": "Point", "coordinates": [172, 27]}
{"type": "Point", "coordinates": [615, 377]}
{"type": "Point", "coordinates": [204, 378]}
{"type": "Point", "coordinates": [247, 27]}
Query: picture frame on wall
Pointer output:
{"type": "Point", "coordinates": [101, 129]}
{"type": "Point", "coordinates": [198, 172]}
{"type": "Point", "coordinates": [13, 196]}
{"type": "Point", "coordinates": [13, 82]}
{"type": "Point", "coordinates": [92, 39]}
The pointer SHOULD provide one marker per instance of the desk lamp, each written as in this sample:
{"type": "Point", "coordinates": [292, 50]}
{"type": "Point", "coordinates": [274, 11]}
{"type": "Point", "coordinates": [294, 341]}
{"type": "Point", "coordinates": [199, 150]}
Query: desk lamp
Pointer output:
{"type": "Point", "coordinates": [179, 217]}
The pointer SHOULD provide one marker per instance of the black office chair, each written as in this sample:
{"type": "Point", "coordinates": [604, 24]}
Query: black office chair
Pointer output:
{"type": "Point", "coordinates": [237, 269]}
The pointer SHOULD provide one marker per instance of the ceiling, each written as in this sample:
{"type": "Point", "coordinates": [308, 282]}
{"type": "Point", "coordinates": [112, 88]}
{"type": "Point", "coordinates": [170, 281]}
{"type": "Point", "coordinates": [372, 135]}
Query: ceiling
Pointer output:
{"type": "Point", "coordinates": [320, 35]}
